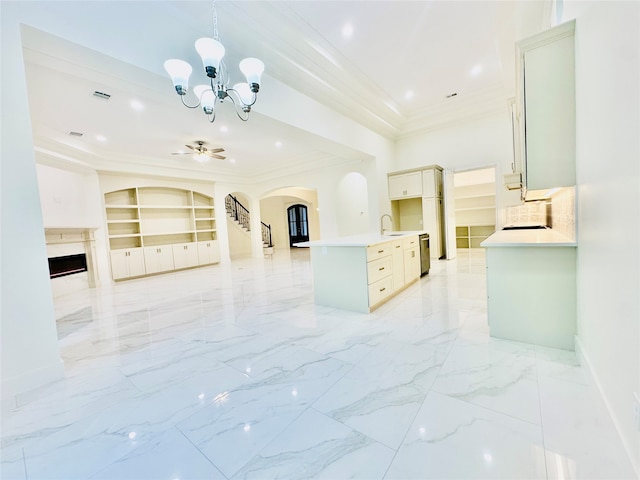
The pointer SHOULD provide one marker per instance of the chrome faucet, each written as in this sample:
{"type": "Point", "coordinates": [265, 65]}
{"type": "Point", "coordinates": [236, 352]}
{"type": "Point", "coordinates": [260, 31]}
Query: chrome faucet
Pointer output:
{"type": "Point", "coordinates": [382, 222]}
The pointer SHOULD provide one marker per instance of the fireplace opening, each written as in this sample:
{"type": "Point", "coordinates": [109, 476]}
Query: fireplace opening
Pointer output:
{"type": "Point", "coordinates": [67, 265]}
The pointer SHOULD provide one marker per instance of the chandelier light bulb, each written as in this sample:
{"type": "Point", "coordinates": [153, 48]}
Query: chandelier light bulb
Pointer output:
{"type": "Point", "coordinates": [252, 69]}
{"type": "Point", "coordinates": [206, 96]}
{"type": "Point", "coordinates": [211, 51]}
{"type": "Point", "coordinates": [179, 71]}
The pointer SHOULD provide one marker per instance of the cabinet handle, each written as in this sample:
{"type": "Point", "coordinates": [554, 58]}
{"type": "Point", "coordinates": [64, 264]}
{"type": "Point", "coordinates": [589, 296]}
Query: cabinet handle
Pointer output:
{"type": "Point", "coordinates": [380, 269]}
{"type": "Point", "coordinates": [380, 251]}
{"type": "Point", "coordinates": [383, 289]}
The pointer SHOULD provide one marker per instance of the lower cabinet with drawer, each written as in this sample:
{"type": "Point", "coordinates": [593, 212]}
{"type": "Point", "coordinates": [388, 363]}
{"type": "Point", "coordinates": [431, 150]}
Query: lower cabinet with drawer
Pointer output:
{"type": "Point", "coordinates": [380, 275]}
{"type": "Point", "coordinates": [362, 277]}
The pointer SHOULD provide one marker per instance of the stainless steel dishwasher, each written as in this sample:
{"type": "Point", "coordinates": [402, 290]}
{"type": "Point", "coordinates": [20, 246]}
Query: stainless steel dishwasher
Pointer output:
{"type": "Point", "coordinates": [425, 255]}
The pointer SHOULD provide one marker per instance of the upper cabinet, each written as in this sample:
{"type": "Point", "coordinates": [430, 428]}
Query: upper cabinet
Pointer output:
{"type": "Point", "coordinates": [405, 185]}
{"type": "Point", "coordinates": [546, 108]}
{"type": "Point", "coordinates": [432, 182]}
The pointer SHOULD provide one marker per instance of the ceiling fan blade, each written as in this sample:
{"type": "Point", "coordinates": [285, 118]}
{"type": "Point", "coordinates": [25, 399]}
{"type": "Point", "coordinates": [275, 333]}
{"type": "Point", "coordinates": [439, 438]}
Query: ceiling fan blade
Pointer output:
{"type": "Point", "coordinates": [191, 147]}
{"type": "Point", "coordinates": [220, 157]}
{"type": "Point", "coordinates": [216, 150]}
{"type": "Point", "coordinates": [180, 153]}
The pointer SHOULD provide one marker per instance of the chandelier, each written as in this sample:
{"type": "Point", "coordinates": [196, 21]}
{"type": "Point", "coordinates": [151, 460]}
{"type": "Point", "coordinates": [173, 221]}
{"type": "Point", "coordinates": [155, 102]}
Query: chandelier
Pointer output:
{"type": "Point", "coordinates": [242, 95]}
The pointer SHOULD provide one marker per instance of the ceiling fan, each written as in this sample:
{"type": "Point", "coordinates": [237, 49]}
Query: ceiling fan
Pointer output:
{"type": "Point", "coordinates": [201, 152]}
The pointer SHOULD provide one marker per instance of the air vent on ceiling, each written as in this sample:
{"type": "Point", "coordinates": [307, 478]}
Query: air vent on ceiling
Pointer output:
{"type": "Point", "coordinates": [101, 95]}
{"type": "Point", "coordinates": [75, 134]}
{"type": "Point", "coordinates": [452, 95]}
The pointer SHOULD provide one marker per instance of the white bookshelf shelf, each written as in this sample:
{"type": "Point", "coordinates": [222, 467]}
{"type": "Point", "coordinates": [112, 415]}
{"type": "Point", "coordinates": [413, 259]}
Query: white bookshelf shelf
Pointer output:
{"type": "Point", "coordinates": [159, 217]}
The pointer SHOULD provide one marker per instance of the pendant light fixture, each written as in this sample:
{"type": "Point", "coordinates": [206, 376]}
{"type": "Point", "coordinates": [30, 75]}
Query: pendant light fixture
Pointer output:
{"type": "Point", "coordinates": [242, 95]}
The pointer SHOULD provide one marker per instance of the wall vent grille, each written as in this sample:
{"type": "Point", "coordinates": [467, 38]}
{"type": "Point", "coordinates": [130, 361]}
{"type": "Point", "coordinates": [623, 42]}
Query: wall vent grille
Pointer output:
{"type": "Point", "coordinates": [101, 95]}
{"type": "Point", "coordinates": [75, 134]}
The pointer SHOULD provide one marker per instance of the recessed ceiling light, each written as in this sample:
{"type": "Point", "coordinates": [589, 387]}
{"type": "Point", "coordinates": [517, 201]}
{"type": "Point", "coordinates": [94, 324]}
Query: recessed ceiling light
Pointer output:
{"type": "Point", "coordinates": [137, 105]}
{"type": "Point", "coordinates": [278, 144]}
{"type": "Point", "coordinates": [347, 30]}
{"type": "Point", "coordinates": [409, 94]}
{"type": "Point", "coordinates": [476, 70]}
{"type": "Point", "coordinates": [101, 138]}
{"type": "Point", "coordinates": [224, 129]}
{"type": "Point", "coordinates": [232, 160]}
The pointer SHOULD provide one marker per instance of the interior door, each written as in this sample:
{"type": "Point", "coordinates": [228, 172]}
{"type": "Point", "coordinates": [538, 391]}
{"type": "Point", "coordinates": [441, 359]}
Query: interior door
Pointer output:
{"type": "Point", "coordinates": [298, 224]}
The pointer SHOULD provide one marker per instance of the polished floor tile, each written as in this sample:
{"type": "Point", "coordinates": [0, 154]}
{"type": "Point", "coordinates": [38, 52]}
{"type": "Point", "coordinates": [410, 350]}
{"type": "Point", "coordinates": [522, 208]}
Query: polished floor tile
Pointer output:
{"type": "Point", "coordinates": [230, 372]}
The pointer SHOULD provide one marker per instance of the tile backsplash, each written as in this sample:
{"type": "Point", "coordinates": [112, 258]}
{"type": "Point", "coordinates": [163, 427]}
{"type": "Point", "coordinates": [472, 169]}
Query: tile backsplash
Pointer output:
{"type": "Point", "coordinates": [563, 212]}
{"type": "Point", "coordinates": [530, 213]}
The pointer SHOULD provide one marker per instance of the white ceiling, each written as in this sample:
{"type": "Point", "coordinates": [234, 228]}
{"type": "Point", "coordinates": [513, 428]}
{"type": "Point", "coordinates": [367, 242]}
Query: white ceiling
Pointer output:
{"type": "Point", "coordinates": [118, 47]}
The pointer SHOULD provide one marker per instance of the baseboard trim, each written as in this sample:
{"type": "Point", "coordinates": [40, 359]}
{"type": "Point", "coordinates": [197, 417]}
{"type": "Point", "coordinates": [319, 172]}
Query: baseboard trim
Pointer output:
{"type": "Point", "coordinates": [583, 358]}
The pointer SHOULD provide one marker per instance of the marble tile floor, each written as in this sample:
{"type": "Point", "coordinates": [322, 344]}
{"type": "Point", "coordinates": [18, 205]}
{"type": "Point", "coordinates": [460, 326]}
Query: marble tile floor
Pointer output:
{"type": "Point", "coordinates": [231, 372]}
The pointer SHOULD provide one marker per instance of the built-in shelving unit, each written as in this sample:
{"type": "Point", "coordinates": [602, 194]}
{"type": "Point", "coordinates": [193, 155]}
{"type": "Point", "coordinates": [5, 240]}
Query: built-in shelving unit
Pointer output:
{"type": "Point", "coordinates": [470, 236]}
{"type": "Point", "coordinates": [170, 228]}
{"type": "Point", "coordinates": [475, 212]}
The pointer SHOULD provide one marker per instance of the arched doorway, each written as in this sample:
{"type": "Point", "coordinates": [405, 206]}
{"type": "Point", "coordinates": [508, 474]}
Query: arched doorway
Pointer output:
{"type": "Point", "coordinates": [298, 224]}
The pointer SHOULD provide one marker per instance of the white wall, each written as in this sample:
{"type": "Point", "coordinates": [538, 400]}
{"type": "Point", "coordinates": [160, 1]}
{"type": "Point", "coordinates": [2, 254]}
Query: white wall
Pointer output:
{"type": "Point", "coordinates": [28, 337]}
{"type": "Point", "coordinates": [352, 204]}
{"type": "Point", "coordinates": [239, 239]}
{"type": "Point", "coordinates": [479, 143]}
{"type": "Point", "coordinates": [69, 199]}
{"type": "Point", "coordinates": [608, 177]}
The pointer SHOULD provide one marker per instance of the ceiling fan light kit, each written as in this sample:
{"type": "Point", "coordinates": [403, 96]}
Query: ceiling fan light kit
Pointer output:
{"type": "Point", "coordinates": [242, 95]}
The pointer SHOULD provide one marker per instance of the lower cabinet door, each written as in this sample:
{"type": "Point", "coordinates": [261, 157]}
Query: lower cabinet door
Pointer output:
{"type": "Point", "coordinates": [208, 252]}
{"type": "Point", "coordinates": [127, 263]}
{"type": "Point", "coordinates": [380, 290]}
{"type": "Point", "coordinates": [185, 255]}
{"type": "Point", "coordinates": [158, 259]}
{"type": "Point", "coordinates": [411, 264]}
{"type": "Point", "coordinates": [397, 255]}
{"type": "Point", "coordinates": [379, 268]}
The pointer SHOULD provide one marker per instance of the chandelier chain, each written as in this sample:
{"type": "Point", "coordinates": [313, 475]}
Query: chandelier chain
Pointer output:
{"type": "Point", "coordinates": [215, 20]}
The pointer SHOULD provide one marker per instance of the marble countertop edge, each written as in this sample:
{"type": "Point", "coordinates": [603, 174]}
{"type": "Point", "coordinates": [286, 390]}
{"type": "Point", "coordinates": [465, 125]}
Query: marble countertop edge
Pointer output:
{"type": "Point", "coordinates": [363, 240]}
{"type": "Point", "coordinates": [528, 238]}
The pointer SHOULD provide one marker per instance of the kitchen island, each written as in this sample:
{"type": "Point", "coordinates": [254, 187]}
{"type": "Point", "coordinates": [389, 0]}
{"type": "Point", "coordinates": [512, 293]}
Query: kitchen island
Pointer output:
{"type": "Point", "coordinates": [360, 273]}
{"type": "Point", "coordinates": [531, 287]}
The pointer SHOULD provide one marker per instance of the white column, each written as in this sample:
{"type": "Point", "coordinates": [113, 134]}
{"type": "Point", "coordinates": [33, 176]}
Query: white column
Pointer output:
{"type": "Point", "coordinates": [29, 343]}
{"type": "Point", "coordinates": [256, 228]}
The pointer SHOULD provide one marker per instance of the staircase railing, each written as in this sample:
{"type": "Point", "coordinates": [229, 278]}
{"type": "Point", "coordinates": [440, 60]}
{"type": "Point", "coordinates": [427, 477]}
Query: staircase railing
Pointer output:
{"type": "Point", "coordinates": [266, 235]}
{"type": "Point", "coordinates": [240, 214]}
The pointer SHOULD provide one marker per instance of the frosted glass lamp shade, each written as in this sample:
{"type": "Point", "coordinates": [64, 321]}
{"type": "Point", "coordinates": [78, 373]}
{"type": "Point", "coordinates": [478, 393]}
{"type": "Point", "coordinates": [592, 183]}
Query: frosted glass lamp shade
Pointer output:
{"type": "Point", "coordinates": [211, 51]}
{"type": "Point", "coordinates": [206, 96]}
{"type": "Point", "coordinates": [244, 92]}
{"type": "Point", "coordinates": [179, 71]}
{"type": "Point", "coordinates": [252, 69]}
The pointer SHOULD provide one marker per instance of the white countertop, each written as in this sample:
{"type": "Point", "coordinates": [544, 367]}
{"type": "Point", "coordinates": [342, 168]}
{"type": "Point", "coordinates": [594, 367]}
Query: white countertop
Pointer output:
{"type": "Point", "coordinates": [528, 238]}
{"type": "Point", "coordinates": [363, 240]}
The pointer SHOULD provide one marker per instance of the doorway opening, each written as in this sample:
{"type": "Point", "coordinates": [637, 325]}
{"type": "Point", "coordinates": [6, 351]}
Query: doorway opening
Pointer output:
{"type": "Point", "coordinates": [475, 206]}
{"type": "Point", "coordinates": [298, 224]}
